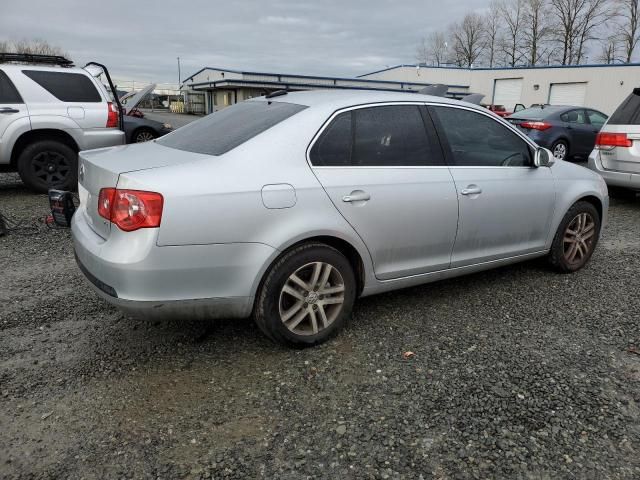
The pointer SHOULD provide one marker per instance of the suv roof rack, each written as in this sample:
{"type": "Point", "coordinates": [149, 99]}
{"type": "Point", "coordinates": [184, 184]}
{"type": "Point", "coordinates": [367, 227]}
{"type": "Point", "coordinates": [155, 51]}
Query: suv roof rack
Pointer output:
{"type": "Point", "coordinates": [33, 58]}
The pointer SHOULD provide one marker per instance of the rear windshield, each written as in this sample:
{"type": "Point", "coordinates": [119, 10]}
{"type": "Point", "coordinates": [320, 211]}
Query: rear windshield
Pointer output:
{"type": "Point", "coordinates": [66, 86]}
{"type": "Point", "coordinates": [225, 129]}
{"type": "Point", "coordinates": [628, 113]}
{"type": "Point", "coordinates": [535, 113]}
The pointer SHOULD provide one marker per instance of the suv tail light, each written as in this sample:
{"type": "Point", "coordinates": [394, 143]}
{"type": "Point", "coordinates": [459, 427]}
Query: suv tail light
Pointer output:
{"type": "Point", "coordinates": [112, 115]}
{"type": "Point", "coordinates": [604, 139]}
{"type": "Point", "coordinates": [542, 126]}
{"type": "Point", "coordinates": [130, 209]}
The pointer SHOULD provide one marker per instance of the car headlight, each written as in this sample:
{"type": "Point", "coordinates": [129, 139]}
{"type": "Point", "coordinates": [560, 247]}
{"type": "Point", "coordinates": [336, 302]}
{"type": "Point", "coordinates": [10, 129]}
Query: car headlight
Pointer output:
{"type": "Point", "coordinates": [167, 126]}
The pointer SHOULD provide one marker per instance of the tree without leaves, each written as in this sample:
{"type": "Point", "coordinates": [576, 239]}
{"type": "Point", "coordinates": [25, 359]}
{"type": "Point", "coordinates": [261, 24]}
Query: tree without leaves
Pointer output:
{"type": "Point", "coordinates": [535, 30]}
{"type": "Point", "coordinates": [492, 23]}
{"type": "Point", "coordinates": [468, 40]}
{"type": "Point", "coordinates": [433, 50]}
{"type": "Point", "coordinates": [608, 50]}
{"type": "Point", "coordinates": [513, 18]}
{"type": "Point", "coordinates": [595, 14]}
{"type": "Point", "coordinates": [33, 47]}
{"type": "Point", "coordinates": [628, 11]}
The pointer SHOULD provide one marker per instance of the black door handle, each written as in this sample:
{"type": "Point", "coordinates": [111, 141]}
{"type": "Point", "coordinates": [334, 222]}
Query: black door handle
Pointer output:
{"type": "Point", "coordinates": [9, 110]}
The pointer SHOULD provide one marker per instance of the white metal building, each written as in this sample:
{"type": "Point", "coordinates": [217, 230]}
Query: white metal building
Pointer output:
{"type": "Point", "coordinates": [602, 87]}
{"type": "Point", "coordinates": [222, 87]}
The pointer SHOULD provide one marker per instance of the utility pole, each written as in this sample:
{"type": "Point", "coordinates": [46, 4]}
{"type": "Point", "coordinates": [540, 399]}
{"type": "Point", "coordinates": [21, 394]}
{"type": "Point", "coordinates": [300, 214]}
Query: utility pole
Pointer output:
{"type": "Point", "coordinates": [179, 77]}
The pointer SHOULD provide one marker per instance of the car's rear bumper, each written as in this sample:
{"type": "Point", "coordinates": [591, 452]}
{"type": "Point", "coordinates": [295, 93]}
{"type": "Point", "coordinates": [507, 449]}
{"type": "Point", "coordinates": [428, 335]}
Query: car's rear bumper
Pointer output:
{"type": "Point", "coordinates": [191, 281]}
{"type": "Point", "coordinates": [91, 138]}
{"type": "Point", "coordinates": [612, 177]}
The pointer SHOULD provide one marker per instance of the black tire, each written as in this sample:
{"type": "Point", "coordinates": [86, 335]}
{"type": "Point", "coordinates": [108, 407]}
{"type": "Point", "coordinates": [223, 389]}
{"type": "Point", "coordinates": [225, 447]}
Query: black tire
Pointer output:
{"type": "Point", "coordinates": [142, 135]}
{"type": "Point", "coordinates": [47, 164]}
{"type": "Point", "coordinates": [267, 313]}
{"type": "Point", "coordinates": [560, 253]}
{"type": "Point", "coordinates": [559, 145]}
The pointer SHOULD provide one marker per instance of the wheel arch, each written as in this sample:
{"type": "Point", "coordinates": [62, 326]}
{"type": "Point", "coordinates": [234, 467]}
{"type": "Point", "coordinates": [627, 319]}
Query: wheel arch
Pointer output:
{"type": "Point", "coordinates": [593, 200]}
{"type": "Point", "coordinates": [343, 246]}
{"type": "Point", "coordinates": [32, 136]}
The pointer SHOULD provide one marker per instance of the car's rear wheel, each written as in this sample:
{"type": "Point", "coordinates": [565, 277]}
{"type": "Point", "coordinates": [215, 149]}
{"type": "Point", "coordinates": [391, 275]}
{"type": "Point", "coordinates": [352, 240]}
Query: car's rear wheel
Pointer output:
{"type": "Point", "coordinates": [307, 296]}
{"type": "Point", "coordinates": [560, 150]}
{"type": "Point", "coordinates": [143, 135]}
{"type": "Point", "coordinates": [47, 164]}
{"type": "Point", "coordinates": [576, 238]}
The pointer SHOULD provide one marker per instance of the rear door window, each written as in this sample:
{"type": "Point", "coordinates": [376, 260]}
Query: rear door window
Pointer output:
{"type": "Point", "coordinates": [66, 86]}
{"type": "Point", "coordinates": [385, 136]}
{"type": "Point", "coordinates": [225, 129]}
{"type": "Point", "coordinates": [8, 92]}
{"type": "Point", "coordinates": [628, 113]}
{"type": "Point", "coordinates": [574, 116]}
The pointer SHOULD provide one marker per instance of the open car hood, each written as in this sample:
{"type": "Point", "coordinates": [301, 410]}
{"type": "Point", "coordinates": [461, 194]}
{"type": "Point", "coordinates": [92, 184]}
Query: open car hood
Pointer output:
{"type": "Point", "coordinates": [131, 100]}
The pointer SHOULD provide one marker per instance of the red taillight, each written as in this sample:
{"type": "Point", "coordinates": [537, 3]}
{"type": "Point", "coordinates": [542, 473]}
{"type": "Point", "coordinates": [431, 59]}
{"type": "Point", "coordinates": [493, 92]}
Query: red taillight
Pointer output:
{"type": "Point", "coordinates": [130, 209]}
{"type": "Point", "coordinates": [112, 115]}
{"type": "Point", "coordinates": [604, 139]}
{"type": "Point", "coordinates": [542, 126]}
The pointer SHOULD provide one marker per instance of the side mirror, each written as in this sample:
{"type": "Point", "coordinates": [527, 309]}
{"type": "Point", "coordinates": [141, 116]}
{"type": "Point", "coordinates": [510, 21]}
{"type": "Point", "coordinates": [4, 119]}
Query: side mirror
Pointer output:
{"type": "Point", "coordinates": [519, 107]}
{"type": "Point", "coordinates": [543, 158]}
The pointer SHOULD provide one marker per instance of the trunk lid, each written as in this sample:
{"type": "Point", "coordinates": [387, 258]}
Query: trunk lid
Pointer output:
{"type": "Point", "coordinates": [101, 168]}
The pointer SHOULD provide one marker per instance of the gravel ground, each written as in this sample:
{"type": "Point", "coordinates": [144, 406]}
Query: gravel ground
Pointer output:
{"type": "Point", "coordinates": [517, 373]}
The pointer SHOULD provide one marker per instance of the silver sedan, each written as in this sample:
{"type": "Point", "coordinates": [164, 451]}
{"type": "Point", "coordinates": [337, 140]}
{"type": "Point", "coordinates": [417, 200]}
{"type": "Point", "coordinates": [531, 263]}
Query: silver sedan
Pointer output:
{"type": "Point", "coordinates": [290, 207]}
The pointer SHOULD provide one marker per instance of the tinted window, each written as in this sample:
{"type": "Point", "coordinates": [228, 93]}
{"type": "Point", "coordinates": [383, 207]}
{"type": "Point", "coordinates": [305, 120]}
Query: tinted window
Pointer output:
{"type": "Point", "coordinates": [574, 116]}
{"type": "Point", "coordinates": [225, 129]}
{"type": "Point", "coordinates": [8, 93]}
{"type": "Point", "coordinates": [476, 140]}
{"type": "Point", "coordinates": [377, 136]}
{"type": "Point", "coordinates": [391, 136]}
{"type": "Point", "coordinates": [597, 119]}
{"type": "Point", "coordinates": [628, 113]}
{"type": "Point", "coordinates": [66, 86]}
{"type": "Point", "coordinates": [333, 148]}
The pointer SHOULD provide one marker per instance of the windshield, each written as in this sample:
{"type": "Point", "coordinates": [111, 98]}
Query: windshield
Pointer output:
{"type": "Point", "coordinates": [225, 129]}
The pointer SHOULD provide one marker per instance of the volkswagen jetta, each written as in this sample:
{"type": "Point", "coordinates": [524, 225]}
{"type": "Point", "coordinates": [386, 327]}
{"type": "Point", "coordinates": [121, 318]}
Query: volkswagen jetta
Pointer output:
{"type": "Point", "coordinates": [290, 207]}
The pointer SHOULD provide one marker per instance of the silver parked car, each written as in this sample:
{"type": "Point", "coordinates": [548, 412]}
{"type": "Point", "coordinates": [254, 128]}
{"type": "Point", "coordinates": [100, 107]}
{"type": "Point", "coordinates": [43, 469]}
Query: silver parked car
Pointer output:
{"type": "Point", "coordinates": [617, 152]}
{"type": "Point", "coordinates": [292, 206]}
{"type": "Point", "coordinates": [50, 110]}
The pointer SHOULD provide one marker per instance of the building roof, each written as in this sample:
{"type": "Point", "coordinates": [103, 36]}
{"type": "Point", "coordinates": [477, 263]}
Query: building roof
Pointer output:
{"type": "Point", "coordinates": [520, 67]}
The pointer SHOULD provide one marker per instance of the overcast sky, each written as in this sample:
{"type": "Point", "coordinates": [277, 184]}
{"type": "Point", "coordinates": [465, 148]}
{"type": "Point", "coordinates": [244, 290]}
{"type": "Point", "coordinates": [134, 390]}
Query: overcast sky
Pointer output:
{"type": "Point", "coordinates": [141, 39]}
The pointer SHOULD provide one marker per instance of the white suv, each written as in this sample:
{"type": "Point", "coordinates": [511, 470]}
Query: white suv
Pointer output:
{"type": "Point", "coordinates": [48, 113]}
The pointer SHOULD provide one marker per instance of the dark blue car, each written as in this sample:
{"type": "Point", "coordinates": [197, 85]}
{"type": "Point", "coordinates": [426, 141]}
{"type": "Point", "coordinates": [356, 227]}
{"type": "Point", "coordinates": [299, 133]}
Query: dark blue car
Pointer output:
{"type": "Point", "coordinates": [569, 132]}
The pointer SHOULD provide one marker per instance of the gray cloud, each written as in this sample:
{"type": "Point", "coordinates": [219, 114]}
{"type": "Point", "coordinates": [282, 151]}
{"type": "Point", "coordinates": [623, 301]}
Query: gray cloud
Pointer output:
{"type": "Point", "coordinates": [141, 40]}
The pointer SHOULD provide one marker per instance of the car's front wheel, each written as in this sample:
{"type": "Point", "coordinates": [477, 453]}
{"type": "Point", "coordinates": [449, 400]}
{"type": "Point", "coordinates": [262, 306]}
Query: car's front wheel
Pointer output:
{"type": "Point", "coordinates": [576, 238]}
{"type": "Point", "coordinates": [307, 296]}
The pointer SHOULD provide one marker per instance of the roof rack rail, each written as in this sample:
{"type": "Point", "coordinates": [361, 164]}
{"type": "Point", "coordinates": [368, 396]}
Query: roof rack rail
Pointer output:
{"type": "Point", "coordinates": [34, 58]}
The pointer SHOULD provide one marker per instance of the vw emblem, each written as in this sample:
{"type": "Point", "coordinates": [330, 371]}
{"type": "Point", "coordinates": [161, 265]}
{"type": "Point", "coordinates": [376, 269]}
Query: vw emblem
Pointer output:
{"type": "Point", "coordinates": [81, 173]}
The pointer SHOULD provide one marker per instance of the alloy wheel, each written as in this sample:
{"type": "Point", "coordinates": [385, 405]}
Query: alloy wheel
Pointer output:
{"type": "Point", "coordinates": [144, 136]}
{"type": "Point", "coordinates": [311, 298]}
{"type": "Point", "coordinates": [560, 151]}
{"type": "Point", "coordinates": [579, 238]}
{"type": "Point", "coordinates": [50, 167]}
